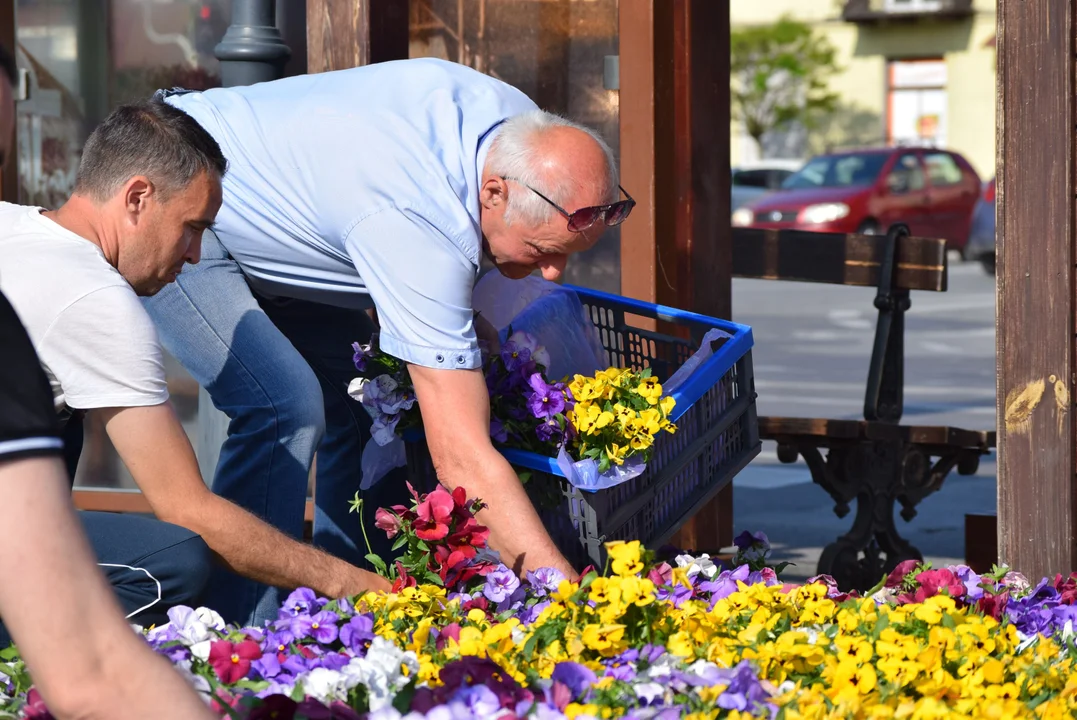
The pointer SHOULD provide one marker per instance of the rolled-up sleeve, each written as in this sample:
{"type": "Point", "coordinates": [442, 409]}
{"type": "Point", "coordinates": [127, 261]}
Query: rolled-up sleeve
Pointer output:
{"type": "Point", "coordinates": [420, 281]}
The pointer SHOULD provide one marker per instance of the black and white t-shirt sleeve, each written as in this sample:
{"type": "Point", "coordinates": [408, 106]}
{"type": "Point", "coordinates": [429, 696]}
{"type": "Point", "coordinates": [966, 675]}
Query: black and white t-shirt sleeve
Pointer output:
{"type": "Point", "coordinates": [28, 422]}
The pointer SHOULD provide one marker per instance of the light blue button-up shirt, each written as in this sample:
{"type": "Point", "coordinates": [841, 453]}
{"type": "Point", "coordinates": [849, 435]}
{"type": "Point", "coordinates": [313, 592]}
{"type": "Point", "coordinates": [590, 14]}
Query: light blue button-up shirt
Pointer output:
{"type": "Point", "coordinates": [360, 187]}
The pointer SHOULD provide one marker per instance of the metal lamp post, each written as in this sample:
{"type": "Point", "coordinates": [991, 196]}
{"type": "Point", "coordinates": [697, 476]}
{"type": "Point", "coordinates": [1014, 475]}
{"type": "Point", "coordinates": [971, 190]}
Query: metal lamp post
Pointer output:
{"type": "Point", "coordinates": [252, 50]}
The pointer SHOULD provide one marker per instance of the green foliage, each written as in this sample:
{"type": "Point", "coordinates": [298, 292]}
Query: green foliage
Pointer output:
{"type": "Point", "coordinates": [779, 76]}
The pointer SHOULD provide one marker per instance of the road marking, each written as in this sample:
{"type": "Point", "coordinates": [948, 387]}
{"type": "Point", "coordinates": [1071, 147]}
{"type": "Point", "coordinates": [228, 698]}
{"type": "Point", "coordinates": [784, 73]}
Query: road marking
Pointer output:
{"type": "Point", "coordinates": [849, 319]}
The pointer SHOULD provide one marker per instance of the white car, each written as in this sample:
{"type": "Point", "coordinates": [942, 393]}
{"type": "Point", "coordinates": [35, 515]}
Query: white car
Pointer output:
{"type": "Point", "coordinates": [753, 180]}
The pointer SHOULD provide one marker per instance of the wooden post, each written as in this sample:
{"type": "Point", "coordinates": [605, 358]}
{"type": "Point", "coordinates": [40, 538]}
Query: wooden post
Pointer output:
{"type": "Point", "coordinates": [1037, 473]}
{"type": "Point", "coordinates": [348, 33]}
{"type": "Point", "coordinates": [676, 248]}
{"type": "Point", "coordinates": [9, 175]}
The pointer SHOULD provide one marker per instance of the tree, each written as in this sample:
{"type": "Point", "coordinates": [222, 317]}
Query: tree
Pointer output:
{"type": "Point", "coordinates": [778, 77]}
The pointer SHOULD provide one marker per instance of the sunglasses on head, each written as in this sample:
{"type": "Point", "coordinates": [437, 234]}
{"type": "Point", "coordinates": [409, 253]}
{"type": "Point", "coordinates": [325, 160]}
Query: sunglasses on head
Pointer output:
{"type": "Point", "coordinates": [613, 214]}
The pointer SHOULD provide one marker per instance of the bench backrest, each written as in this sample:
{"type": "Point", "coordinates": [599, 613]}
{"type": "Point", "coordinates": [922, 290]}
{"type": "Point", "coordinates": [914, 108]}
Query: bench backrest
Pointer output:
{"type": "Point", "coordinates": [837, 259]}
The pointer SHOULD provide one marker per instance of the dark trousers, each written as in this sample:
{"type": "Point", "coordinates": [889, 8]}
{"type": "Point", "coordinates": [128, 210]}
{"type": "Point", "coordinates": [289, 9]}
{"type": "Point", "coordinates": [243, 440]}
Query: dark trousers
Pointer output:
{"type": "Point", "coordinates": [151, 565]}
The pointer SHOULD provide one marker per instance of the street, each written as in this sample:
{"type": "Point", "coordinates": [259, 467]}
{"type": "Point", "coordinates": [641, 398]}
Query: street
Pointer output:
{"type": "Point", "coordinates": [812, 349]}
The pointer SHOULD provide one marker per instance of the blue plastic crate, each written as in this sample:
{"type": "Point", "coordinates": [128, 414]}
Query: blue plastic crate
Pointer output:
{"type": "Point", "coordinates": [717, 434]}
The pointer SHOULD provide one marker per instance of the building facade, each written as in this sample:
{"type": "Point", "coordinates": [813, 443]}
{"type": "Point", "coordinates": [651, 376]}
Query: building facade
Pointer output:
{"type": "Point", "coordinates": [911, 71]}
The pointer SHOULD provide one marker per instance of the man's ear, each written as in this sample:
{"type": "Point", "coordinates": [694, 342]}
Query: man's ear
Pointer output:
{"type": "Point", "coordinates": [494, 192]}
{"type": "Point", "coordinates": [137, 193]}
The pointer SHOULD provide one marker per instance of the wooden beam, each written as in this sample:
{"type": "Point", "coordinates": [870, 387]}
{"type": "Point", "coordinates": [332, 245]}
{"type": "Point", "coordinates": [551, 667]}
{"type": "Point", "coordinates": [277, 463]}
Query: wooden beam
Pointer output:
{"type": "Point", "coordinates": [133, 501]}
{"type": "Point", "coordinates": [637, 108]}
{"type": "Point", "coordinates": [1037, 473]}
{"type": "Point", "coordinates": [9, 175]}
{"type": "Point", "coordinates": [678, 251]}
{"type": "Point", "coordinates": [344, 34]}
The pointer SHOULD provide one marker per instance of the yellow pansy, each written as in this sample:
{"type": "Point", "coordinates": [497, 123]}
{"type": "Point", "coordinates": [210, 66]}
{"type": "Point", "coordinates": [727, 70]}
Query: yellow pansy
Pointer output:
{"type": "Point", "coordinates": [624, 557]}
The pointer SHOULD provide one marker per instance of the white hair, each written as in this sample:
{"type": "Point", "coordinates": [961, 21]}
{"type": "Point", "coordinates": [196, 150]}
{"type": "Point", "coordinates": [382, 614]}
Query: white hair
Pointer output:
{"type": "Point", "coordinates": [517, 154]}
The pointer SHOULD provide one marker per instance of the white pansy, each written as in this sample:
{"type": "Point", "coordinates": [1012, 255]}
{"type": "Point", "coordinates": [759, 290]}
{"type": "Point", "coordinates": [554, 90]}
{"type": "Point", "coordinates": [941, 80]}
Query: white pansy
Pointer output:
{"type": "Point", "coordinates": [356, 387]}
{"type": "Point", "coordinates": [201, 649]}
{"type": "Point", "coordinates": [210, 618]}
{"type": "Point", "coordinates": [649, 692]}
{"type": "Point", "coordinates": [662, 667]}
{"type": "Point", "coordinates": [189, 628]}
{"type": "Point", "coordinates": [518, 635]}
{"type": "Point", "coordinates": [541, 356]}
{"type": "Point", "coordinates": [696, 565]}
{"type": "Point", "coordinates": [361, 671]}
{"type": "Point", "coordinates": [701, 668]}
{"type": "Point", "coordinates": [326, 685]}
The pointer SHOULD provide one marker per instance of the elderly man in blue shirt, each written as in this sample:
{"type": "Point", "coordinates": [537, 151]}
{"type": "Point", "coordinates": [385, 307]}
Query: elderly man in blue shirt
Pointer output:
{"type": "Point", "coordinates": [378, 187]}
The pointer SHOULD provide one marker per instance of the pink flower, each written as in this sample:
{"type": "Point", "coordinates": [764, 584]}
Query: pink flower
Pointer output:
{"type": "Point", "coordinates": [387, 521]}
{"type": "Point", "coordinates": [897, 575]}
{"type": "Point", "coordinates": [35, 707]}
{"type": "Point", "coordinates": [433, 515]}
{"type": "Point", "coordinates": [231, 661]}
{"type": "Point", "coordinates": [932, 582]}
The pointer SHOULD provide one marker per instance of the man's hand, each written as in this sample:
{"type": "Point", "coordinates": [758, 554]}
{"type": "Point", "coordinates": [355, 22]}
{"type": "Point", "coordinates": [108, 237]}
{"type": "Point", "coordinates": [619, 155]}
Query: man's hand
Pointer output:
{"type": "Point", "coordinates": [64, 617]}
{"type": "Point", "coordinates": [152, 444]}
{"type": "Point", "coordinates": [456, 419]}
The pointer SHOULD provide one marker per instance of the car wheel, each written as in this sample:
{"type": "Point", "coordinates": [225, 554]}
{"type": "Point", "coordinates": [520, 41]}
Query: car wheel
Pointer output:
{"type": "Point", "coordinates": [868, 227]}
{"type": "Point", "coordinates": [988, 261]}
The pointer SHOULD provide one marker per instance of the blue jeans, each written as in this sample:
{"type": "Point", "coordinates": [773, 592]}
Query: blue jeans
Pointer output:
{"type": "Point", "coordinates": [279, 368]}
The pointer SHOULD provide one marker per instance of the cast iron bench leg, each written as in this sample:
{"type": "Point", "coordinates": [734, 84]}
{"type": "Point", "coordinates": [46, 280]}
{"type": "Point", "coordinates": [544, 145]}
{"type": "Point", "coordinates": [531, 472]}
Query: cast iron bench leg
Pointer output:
{"type": "Point", "coordinates": [878, 475]}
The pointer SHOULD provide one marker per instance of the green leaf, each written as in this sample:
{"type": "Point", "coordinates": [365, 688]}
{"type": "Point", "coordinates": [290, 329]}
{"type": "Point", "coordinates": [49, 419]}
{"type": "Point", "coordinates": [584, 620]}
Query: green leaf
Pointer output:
{"type": "Point", "coordinates": [433, 578]}
{"type": "Point", "coordinates": [402, 700]}
{"type": "Point", "coordinates": [423, 546]}
{"type": "Point", "coordinates": [881, 624]}
{"type": "Point", "coordinates": [379, 564]}
{"type": "Point", "coordinates": [948, 622]}
{"type": "Point", "coordinates": [529, 646]}
{"type": "Point", "coordinates": [400, 542]}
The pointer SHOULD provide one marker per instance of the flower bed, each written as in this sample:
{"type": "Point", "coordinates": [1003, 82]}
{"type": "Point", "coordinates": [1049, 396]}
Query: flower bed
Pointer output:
{"type": "Point", "coordinates": [642, 640]}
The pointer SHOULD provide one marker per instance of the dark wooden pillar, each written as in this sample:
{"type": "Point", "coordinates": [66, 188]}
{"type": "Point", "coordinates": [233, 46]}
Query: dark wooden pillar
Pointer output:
{"type": "Point", "coordinates": [9, 175]}
{"type": "Point", "coordinates": [676, 248]}
{"type": "Point", "coordinates": [348, 33]}
{"type": "Point", "coordinates": [1037, 473]}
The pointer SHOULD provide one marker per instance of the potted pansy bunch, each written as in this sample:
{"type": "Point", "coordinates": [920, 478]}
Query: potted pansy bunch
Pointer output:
{"type": "Point", "coordinates": [603, 425]}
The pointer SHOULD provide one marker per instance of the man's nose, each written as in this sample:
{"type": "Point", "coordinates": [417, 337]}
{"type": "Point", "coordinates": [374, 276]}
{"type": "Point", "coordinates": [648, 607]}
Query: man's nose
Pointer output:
{"type": "Point", "coordinates": [553, 268]}
{"type": "Point", "coordinates": [194, 251]}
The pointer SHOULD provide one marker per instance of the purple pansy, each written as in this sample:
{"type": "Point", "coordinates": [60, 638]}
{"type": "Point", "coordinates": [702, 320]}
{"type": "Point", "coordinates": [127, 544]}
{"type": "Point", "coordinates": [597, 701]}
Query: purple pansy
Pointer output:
{"type": "Point", "coordinates": [545, 580]}
{"type": "Point", "coordinates": [323, 627]}
{"type": "Point", "coordinates": [501, 583]}
{"type": "Point", "coordinates": [357, 633]}
{"type": "Point", "coordinates": [544, 400]}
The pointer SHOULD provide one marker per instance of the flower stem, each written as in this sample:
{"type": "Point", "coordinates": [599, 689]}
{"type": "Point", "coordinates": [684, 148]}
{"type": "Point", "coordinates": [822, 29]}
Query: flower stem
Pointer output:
{"type": "Point", "coordinates": [362, 526]}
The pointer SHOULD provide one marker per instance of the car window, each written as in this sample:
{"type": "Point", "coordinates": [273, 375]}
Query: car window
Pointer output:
{"type": "Point", "coordinates": [942, 169]}
{"type": "Point", "coordinates": [906, 175]}
{"type": "Point", "coordinates": [751, 178]}
{"type": "Point", "coordinates": [837, 171]}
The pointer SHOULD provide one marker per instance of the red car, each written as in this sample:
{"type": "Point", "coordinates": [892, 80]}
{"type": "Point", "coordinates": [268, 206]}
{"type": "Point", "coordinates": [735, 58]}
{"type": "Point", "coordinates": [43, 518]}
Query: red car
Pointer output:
{"type": "Point", "coordinates": [866, 191]}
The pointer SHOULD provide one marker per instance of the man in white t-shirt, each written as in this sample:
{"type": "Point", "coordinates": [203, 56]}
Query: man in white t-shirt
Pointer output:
{"type": "Point", "coordinates": [84, 658]}
{"type": "Point", "coordinates": [148, 186]}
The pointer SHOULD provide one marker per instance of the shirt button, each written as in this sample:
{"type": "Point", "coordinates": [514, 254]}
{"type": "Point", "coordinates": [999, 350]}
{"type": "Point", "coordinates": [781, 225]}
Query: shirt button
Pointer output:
{"type": "Point", "coordinates": [441, 358]}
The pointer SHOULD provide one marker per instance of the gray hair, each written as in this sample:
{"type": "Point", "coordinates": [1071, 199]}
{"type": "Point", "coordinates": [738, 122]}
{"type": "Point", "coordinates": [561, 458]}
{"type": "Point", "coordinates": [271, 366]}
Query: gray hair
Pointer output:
{"type": "Point", "coordinates": [515, 154]}
{"type": "Point", "coordinates": [148, 138]}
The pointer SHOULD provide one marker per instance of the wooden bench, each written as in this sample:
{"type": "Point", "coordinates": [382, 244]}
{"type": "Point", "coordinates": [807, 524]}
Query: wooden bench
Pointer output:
{"type": "Point", "coordinates": [875, 461]}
